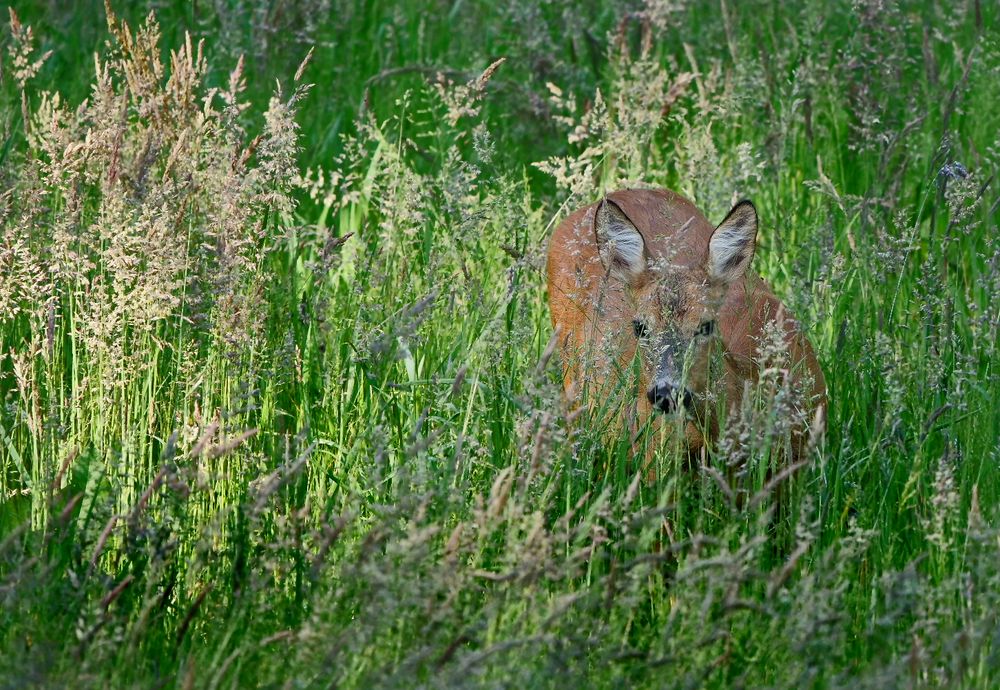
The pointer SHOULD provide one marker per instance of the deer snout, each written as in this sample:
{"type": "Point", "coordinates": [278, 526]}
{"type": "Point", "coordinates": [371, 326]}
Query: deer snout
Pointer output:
{"type": "Point", "coordinates": [666, 397]}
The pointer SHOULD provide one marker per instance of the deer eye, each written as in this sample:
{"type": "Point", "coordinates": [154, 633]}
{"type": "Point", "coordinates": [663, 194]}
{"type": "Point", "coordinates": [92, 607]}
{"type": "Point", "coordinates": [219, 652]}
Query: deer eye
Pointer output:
{"type": "Point", "coordinates": [705, 328]}
{"type": "Point", "coordinates": [640, 328]}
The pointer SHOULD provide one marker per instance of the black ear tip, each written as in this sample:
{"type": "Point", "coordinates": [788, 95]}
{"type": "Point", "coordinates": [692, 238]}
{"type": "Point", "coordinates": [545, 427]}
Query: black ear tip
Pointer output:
{"type": "Point", "coordinates": [742, 210]}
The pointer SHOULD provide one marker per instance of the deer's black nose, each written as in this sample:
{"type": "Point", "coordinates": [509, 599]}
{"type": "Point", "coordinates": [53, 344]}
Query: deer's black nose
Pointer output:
{"type": "Point", "coordinates": [664, 397]}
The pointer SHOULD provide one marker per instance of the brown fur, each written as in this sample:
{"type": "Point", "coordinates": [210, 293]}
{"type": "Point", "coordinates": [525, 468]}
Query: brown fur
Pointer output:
{"type": "Point", "coordinates": [594, 311]}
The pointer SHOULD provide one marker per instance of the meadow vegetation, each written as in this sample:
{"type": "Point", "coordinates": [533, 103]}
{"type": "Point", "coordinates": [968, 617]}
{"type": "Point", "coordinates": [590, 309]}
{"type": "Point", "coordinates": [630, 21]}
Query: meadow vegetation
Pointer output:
{"type": "Point", "coordinates": [279, 403]}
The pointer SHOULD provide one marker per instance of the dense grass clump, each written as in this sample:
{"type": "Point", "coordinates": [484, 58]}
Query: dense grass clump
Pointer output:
{"type": "Point", "coordinates": [280, 403]}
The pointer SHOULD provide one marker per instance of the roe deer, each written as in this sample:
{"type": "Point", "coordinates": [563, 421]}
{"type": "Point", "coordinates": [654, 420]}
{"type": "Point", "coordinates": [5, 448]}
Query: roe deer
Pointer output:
{"type": "Point", "coordinates": [644, 270]}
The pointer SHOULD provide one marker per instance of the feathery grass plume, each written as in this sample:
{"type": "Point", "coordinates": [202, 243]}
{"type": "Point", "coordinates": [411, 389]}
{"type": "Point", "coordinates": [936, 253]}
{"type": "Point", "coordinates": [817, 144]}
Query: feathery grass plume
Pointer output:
{"type": "Point", "coordinates": [141, 213]}
{"type": "Point", "coordinates": [612, 135]}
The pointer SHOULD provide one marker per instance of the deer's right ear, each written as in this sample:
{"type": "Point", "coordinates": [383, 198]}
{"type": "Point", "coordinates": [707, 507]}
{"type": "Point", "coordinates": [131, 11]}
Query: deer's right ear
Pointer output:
{"type": "Point", "coordinates": [622, 250]}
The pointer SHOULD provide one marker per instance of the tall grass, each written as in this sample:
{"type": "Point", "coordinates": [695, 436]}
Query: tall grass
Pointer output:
{"type": "Point", "coordinates": [280, 400]}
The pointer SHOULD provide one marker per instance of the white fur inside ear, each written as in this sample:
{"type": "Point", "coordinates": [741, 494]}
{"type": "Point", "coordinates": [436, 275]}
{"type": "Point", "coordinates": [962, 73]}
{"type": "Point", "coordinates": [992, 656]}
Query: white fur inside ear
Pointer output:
{"type": "Point", "coordinates": [731, 247]}
{"type": "Point", "coordinates": [619, 242]}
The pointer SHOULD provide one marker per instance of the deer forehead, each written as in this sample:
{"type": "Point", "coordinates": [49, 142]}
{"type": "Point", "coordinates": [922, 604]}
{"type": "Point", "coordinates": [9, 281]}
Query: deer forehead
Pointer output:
{"type": "Point", "coordinates": [678, 294]}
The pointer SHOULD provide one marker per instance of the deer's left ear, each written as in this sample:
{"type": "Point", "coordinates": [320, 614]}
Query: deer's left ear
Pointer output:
{"type": "Point", "coordinates": [731, 247]}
